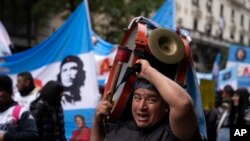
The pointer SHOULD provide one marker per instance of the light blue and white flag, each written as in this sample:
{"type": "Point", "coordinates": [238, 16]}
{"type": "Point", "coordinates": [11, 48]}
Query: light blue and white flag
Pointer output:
{"type": "Point", "coordinates": [228, 76]}
{"type": "Point", "coordinates": [51, 60]}
{"type": "Point", "coordinates": [239, 56]}
{"type": "Point", "coordinates": [165, 14]}
{"type": "Point", "coordinates": [104, 57]}
{"type": "Point", "coordinates": [193, 90]}
{"type": "Point", "coordinates": [216, 70]}
{"type": "Point", "coordinates": [4, 42]}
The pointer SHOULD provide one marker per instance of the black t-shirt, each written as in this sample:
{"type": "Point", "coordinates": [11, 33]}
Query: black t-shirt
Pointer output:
{"type": "Point", "coordinates": [128, 131]}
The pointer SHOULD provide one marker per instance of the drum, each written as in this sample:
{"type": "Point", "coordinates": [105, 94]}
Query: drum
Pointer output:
{"type": "Point", "coordinates": [165, 49]}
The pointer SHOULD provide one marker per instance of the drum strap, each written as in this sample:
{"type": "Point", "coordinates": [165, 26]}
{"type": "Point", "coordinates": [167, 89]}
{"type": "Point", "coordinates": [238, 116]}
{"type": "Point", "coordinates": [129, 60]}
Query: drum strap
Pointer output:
{"type": "Point", "coordinates": [129, 71]}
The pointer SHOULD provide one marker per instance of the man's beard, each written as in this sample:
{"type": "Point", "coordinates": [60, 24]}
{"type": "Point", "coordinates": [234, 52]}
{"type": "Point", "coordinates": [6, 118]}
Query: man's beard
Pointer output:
{"type": "Point", "coordinates": [26, 91]}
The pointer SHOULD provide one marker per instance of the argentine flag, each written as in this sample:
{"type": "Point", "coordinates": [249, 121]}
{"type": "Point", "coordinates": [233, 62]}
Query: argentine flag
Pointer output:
{"type": "Point", "coordinates": [4, 42]}
{"type": "Point", "coordinates": [104, 56]}
{"type": "Point", "coordinates": [165, 14]}
{"type": "Point", "coordinates": [51, 60]}
{"type": "Point", "coordinates": [216, 70]}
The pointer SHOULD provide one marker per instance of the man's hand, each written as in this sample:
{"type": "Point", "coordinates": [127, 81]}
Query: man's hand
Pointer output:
{"type": "Point", "coordinates": [145, 66]}
{"type": "Point", "coordinates": [103, 109]}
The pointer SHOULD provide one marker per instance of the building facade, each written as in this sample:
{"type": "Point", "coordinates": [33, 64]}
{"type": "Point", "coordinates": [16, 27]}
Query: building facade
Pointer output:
{"type": "Point", "coordinates": [25, 29]}
{"type": "Point", "coordinates": [213, 25]}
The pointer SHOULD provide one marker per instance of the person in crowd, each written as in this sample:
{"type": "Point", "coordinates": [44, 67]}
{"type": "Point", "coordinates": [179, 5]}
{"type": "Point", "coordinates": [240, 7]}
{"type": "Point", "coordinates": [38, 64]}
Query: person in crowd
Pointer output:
{"type": "Point", "coordinates": [72, 77]}
{"type": "Point", "coordinates": [48, 112]}
{"type": "Point", "coordinates": [16, 123]}
{"type": "Point", "coordinates": [218, 98]}
{"type": "Point", "coordinates": [227, 93]}
{"type": "Point", "coordinates": [161, 111]}
{"type": "Point", "coordinates": [28, 92]}
{"type": "Point", "coordinates": [240, 106]}
{"type": "Point", "coordinates": [82, 133]}
{"type": "Point", "coordinates": [218, 123]}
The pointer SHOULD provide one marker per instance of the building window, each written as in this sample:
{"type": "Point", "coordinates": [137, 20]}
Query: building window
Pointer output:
{"type": "Point", "coordinates": [242, 20]}
{"type": "Point", "coordinates": [232, 35]}
{"type": "Point", "coordinates": [249, 26]}
{"type": "Point", "coordinates": [219, 33]}
{"type": "Point", "coordinates": [179, 22]}
{"type": "Point", "coordinates": [221, 10]}
{"type": "Point", "coordinates": [232, 16]}
{"type": "Point", "coordinates": [209, 6]}
{"type": "Point", "coordinates": [220, 28]}
{"type": "Point", "coordinates": [195, 2]}
{"type": "Point", "coordinates": [208, 28]}
{"type": "Point", "coordinates": [241, 38]}
{"type": "Point", "coordinates": [195, 26]}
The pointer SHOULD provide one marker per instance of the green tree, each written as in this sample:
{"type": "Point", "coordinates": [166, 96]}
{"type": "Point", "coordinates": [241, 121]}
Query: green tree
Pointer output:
{"type": "Point", "coordinates": [43, 7]}
{"type": "Point", "coordinates": [110, 17]}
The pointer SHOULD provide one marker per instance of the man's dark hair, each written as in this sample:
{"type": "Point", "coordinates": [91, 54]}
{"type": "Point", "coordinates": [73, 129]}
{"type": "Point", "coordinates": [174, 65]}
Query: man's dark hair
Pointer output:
{"type": "Point", "coordinates": [229, 90]}
{"type": "Point", "coordinates": [240, 109]}
{"type": "Point", "coordinates": [28, 76]}
{"type": "Point", "coordinates": [6, 84]}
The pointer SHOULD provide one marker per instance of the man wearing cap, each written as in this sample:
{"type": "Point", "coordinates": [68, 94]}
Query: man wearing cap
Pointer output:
{"type": "Point", "coordinates": [161, 111]}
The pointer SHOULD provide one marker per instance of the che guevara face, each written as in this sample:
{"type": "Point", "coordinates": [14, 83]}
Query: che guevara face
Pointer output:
{"type": "Point", "coordinates": [68, 73]}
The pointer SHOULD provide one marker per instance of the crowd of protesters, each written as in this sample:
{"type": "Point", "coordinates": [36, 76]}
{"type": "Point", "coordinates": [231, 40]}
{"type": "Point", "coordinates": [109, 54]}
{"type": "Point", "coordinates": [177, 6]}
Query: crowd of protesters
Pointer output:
{"type": "Point", "coordinates": [155, 108]}
{"type": "Point", "coordinates": [37, 114]}
{"type": "Point", "coordinates": [16, 122]}
{"type": "Point", "coordinates": [232, 110]}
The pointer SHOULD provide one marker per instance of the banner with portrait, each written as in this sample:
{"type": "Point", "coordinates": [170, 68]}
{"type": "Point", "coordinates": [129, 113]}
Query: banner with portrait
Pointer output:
{"type": "Point", "coordinates": [239, 56]}
{"type": "Point", "coordinates": [66, 56]}
{"type": "Point", "coordinates": [228, 76]}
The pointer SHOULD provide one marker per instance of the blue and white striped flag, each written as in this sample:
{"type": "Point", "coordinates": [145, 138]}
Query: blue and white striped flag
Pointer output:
{"type": "Point", "coordinates": [216, 70]}
{"type": "Point", "coordinates": [165, 14]}
{"type": "Point", "coordinates": [4, 42]}
{"type": "Point", "coordinates": [46, 61]}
